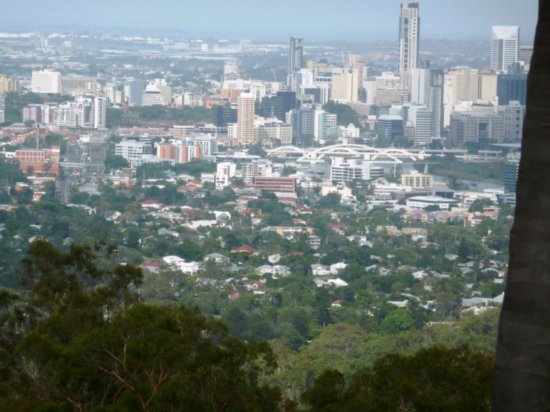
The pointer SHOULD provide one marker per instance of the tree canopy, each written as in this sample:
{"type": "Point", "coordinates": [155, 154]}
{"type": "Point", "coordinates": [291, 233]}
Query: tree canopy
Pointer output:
{"type": "Point", "coordinates": [83, 341]}
{"type": "Point", "coordinates": [434, 379]}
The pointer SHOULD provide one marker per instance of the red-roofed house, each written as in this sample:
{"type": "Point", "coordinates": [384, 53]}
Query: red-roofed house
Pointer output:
{"type": "Point", "coordinates": [244, 249]}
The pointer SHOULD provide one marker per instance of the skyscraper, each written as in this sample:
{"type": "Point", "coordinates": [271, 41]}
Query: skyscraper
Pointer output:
{"type": "Point", "coordinates": [427, 89]}
{"type": "Point", "coordinates": [409, 35]}
{"type": "Point", "coordinates": [435, 100]}
{"type": "Point", "coordinates": [245, 119]}
{"type": "Point", "coordinates": [347, 81]}
{"type": "Point", "coordinates": [461, 84]}
{"type": "Point", "coordinates": [279, 105]}
{"type": "Point", "coordinates": [504, 47]}
{"type": "Point", "coordinates": [100, 112]}
{"type": "Point", "coordinates": [512, 86]}
{"type": "Point", "coordinates": [133, 91]}
{"type": "Point", "coordinates": [295, 57]}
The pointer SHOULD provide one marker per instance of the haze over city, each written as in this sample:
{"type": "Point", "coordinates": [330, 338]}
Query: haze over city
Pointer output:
{"type": "Point", "coordinates": [290, 206]}
{"type": "Point", "coordinates": [320, 20]}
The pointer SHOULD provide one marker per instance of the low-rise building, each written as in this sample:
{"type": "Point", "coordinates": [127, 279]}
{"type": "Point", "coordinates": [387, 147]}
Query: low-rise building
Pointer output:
{"type": "Point", "coordinates": [417, 181]}
{"type": "Point", "coordinates": [422, 202]}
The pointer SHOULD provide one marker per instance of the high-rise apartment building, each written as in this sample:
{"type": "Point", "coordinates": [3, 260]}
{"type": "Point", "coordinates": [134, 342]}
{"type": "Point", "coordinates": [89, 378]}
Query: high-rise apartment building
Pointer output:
{"type": "Point", "coordinates": [511, 172]}
{"type": "Point", "coordinates": [245, 119]}
{"type": "Point", "coordinates": [461, 84]}
{"type": "Point", "coordinates": [427, 89]}
{"type": "Point", "coordinates": [324, 125]}
{"type": "Point", "coordinates": [420, 86]}
{"type": "Point", "coordinates": [46, 81]}
{"type": "Point", "coordinates": [409, 36]}
{"type": "Point", "coordinates": [504, 47]}
{"type": "Point", "coordinates": [100, 112]}
{"type": "Point", "coordinates": [133, 91]}
{"type": "Point", "coordinates": [422, 119]}
{"type": "Point", "coordinates": [179, 152]}
{"type": "Point", "coordinates": [348, 82]}
{"type": "Point", "coordinates": [295, 62]}
{"type": "Point", "coordinates": [8, 85]}
{"type": "Point", "coordinates": [435, 100]}
{"type": "Point", "coordinates": [89, 112]}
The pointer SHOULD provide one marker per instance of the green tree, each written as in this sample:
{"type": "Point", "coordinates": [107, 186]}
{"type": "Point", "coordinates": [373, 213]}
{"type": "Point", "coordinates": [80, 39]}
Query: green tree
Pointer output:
{"type": "Point", "coordinates": [345, 113]}
{"type": "Point", "coordinates": [434, 379]}
{"type": "Point", "coordinates": [113, 162]}
{"type": "Point", "coordinates": [479, 205]}
{"type": "Point", "coordinates": [330, 201]}
{"type": "Point", "coordinates": [399, 320]}
{"type": "Point", "coordinates": [190, 251]}
{"type": "Point", "coordinates": [82, 341]}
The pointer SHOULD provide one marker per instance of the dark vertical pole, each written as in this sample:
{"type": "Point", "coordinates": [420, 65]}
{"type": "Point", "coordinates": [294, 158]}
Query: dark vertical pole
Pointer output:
{"type": "Point", "coordinates": [522, 371]}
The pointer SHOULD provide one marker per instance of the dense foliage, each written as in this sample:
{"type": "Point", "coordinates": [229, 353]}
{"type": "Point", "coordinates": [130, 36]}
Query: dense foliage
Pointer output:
{"type": "Point", "coordinates": [345, 113]}
{"type": "Point", "coordinates": [435, 379]}
{"type": "Point", "coordinates": [468, 171]}
{"type": "Point", "coordinates": [82, 341]}
{"type": "Point", "coordinates": [147, 114]}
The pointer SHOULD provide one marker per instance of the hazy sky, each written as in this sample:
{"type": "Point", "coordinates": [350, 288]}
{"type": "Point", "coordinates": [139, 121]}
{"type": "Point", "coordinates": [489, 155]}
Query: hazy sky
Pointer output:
{"type": "Point", "coordinates": [277, 19]}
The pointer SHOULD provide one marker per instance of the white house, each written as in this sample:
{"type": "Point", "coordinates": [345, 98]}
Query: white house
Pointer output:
{"type": "Point", "coordinates": [281, 271]}
{"type": "Point", "coordinates": [339, 283]}
{"type": "Point", "coordinates": [189, 268]}
{"type": "Point", "coordinates": [264, 269]}
{"type": "Point", "coordinates": [273, 259]}
{"type": "Point", "coordinates": [337, 268]}
{"type": "Point", "coordinates": [197, 224]}
{"type": "Point", "coordinates": [217, 257]}
{"type": "Point", "coordinates": [320, 270]}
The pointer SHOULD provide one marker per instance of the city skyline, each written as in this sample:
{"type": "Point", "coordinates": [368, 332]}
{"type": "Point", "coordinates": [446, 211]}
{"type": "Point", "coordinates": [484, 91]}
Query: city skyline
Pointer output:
{"type": "Point", "coordinates": [352, 20]}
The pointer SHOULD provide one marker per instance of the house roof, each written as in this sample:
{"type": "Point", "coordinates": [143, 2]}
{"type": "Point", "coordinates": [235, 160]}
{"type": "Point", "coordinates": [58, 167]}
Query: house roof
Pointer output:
{"type": "Point", "coordinates": [152, 264]}
{"type": "Point", "coordinates": [215, 255]}
{"type": "Point", "coordinates": [244, 249]}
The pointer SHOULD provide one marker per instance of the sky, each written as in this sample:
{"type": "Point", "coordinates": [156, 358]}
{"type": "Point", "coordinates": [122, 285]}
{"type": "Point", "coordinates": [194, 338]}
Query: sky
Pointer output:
{"type": "Point", "coordinates": [317, 20]}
